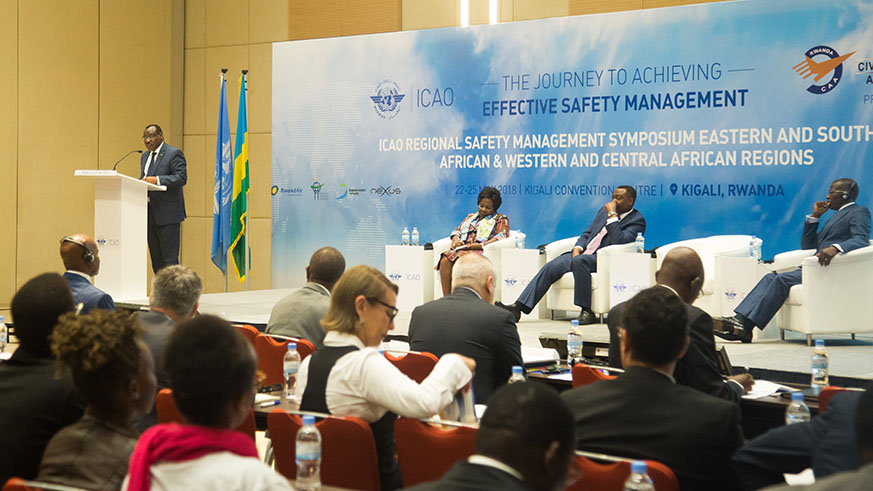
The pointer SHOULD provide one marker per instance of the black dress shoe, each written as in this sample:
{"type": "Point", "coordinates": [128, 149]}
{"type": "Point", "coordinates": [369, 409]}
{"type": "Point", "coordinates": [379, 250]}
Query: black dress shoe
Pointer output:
{"type": "Point", "coordinates": [513, 309]}
{"type": "Point", "coordinates": [731, 329]}
{"type": "Point", "coordinates": [586, 317]}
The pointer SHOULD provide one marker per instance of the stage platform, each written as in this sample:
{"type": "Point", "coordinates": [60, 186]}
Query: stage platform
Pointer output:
{"type": "Point", "coordinates": [848, 358]}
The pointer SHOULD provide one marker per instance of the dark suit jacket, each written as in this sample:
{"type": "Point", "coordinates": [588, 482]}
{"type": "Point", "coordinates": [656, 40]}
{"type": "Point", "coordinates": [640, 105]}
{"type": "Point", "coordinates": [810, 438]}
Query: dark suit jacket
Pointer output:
{"type": "Point", "coordinates": [620, 232]}
{"type": "Point", "coordinates": [90, 296]}
{"type": "Point", "coordinates": [463, 323]}
{"type": "Point", "coordinates": [473, 477]}
{"type": "Point", "coordinates": [171, 170]}
{"type": "Point", "coordinates": [698, 369]}
{"type": "Point", "coordinates": [642, 414]}
{"type": "Point", "coordinates": [34, 405]}
{"type": "Point", "coordinates": [157, 328]}
{"type": "Point", "coordinates": [827, 443]}
{"type": "Point", "coordinates": [849, 228]}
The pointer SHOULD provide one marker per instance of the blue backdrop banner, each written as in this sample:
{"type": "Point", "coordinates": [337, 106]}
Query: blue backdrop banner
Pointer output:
{"type": "Point", "coordinates": [728, 118]}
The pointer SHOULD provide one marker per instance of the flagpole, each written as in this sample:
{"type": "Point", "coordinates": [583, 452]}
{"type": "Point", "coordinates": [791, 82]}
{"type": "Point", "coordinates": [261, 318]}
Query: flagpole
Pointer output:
{"type": "Point", "coordinates": [223, 78]}
{"type": "Point", "coordinates": [248, 230]}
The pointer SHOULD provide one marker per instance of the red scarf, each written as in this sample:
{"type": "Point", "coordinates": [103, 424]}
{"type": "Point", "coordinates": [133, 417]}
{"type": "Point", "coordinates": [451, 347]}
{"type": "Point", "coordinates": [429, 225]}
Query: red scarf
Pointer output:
{"type": "Point", "coordinates": [172, 442]}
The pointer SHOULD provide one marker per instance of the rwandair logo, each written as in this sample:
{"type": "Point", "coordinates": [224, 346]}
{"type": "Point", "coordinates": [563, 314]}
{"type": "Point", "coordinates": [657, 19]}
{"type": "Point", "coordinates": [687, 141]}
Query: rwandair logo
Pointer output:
{"type": "Point", "coordinates": [386, 102]}
{"type": "Point", "coordinates": [827, 61]}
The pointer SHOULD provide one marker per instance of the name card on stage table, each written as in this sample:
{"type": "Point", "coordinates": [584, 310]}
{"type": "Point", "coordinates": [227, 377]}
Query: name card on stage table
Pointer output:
{"type": "Point", "coordinates": [411, 268]}
{"type": "Point", "coordinates": [630, 273]}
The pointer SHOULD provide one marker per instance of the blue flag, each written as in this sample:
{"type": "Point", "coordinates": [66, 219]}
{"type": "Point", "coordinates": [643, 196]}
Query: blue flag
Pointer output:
{"type": "Point", "coordinates": [223, 186]}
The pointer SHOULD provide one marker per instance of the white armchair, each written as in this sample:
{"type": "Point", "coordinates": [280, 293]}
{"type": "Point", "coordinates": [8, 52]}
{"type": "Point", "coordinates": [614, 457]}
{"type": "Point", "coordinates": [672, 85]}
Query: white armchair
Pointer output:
{"type": "Point", "coordinates": [708, 248]}
{"type": "Point", "coordinates": [491, 251]}
{"type": "Point", "coordinates": [832, 299]}
{"type": "Point", "coordinates": [560, 295]}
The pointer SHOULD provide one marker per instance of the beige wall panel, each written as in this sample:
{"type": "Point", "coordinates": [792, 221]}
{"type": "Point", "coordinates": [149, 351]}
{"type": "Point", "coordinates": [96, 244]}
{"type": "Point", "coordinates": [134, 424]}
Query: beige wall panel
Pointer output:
{"type": "Point", "coordinates": [268, 21]}
{"type": "Point", "coordinates": [540, 9]}
{"type": "Point", "coordinates": [195, 23]}
{"type": "Point", "coordinates": [58, 100]}
{"type": "Point", "coordinates": [131, 97]}
{"type": "Point", "coordinates": [198, 186]}
{"type": "Point", "coordinates": [673, 3]}
{"type": "Point", "coordinates": [260, 246]}
{"type": "Point", "coordinates": [235, 59]}
{"type": "Point", "coordinates": [581, 7]}
{"type": "Point", "coordinates": [213, 281]}
{"type": "Point", "coordinates": [260, 88]}
{"type": "Point", "coordinates": [194, 246]}
{"type": "Point", "coordinates": [8, 141]}
{"type": "Point", "coordinates": [314, 18]}
{"type": "Point", "coordinates": [371, 16]}
{"type": "Point", "coordinates": [208, 143]}
{"type": "Point", "coordinates": [227, 22]}
{"type": "Point", "coordinates": [429, 14]}
{"type": "Point", "coordinates": [195, 96]}
{"type": "Point", "coordinates": [479, 12]}
{"type": "Point", "coordinates": [261, 169]}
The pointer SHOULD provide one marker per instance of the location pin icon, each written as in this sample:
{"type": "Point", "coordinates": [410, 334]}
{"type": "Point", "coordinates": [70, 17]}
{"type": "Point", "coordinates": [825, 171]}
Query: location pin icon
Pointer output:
{"type": "Point", "coordinates": [673, 188]}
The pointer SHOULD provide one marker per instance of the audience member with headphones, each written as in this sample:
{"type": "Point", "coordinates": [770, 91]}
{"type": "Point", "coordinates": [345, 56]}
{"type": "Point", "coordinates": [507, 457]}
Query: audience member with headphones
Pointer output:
{"type": "Point", "coordinates": [82, 261]}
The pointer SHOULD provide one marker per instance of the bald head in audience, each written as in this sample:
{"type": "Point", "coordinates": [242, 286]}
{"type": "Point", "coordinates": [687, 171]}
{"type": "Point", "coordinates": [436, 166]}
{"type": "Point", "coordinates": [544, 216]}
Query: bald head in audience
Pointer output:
{"type": "Point", "coordinates": [475, 271]}
{"type": "Point", "coordinates": [682, 270]}
{"type": "Point", "coordinates": [325, 267]}
{"type": "Point", "coordinates": [79, 253]}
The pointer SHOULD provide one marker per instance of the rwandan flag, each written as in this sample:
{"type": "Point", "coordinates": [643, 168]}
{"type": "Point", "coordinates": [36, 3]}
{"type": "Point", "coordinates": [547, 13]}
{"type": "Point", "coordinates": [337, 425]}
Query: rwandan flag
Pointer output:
{"type": "Point", "coordinates": [223, 186]}
{"type": "Point", "coordinates": [239, 205]}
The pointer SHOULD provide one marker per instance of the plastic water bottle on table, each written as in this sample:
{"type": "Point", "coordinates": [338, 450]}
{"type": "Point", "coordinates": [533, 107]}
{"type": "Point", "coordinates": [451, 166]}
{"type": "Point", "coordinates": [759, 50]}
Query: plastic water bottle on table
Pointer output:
{"type": "Point", "coordinates": [308, 447]}
{"type": "Point", "coordinates": [639, 479]}
{"type": "Point", "coordinates": [290, 366]}
{"type": "Point", "coordinates": [797, 411]}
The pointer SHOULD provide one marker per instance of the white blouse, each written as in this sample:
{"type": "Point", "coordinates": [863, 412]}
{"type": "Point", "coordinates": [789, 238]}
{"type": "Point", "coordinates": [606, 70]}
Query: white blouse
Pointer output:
{"type": "Point", "coordinates": [364, 384]}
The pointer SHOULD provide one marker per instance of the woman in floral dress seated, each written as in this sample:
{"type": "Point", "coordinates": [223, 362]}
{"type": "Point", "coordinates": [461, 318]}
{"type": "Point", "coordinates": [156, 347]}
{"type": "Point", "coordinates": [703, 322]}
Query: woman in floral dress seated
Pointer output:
{"type": "Point", "coordinates": [474, 233]}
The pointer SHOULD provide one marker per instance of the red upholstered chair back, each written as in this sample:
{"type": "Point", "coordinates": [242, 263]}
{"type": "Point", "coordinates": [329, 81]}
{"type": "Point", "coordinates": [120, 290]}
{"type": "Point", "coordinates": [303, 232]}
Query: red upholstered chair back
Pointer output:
{"type": "Point", "coordinates": [272, 350]}
{"type": "Point", "coordinates": [249, 331]}
{"type": "Point", "coordinates": [168, 412]}
{"type": "Point", "coordinates": [348, 451]}
{"type": "Point", "coordinates": [426, 452]}
{"type": "Point", "coordinates": [826, 395]}
{"type": "Point", "coordinates": [18, 484]}
{"type": "Point", "coordinates": [416, 365]}
{"type": "Point", "coordinates": [585, 374]}
{"type": "Point", "coordinates": [610, 476]}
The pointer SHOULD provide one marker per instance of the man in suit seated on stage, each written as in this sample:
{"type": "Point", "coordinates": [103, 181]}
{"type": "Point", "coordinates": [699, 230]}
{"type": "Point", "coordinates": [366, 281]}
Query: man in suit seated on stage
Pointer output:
{"type": "Point", "coordinates": [163, 165]}
{"type": "Point", "coordinates": [846, 230]}
{"type": "Point", "coordinates": [682, 273]}
{"type": "Point", "coordinates": [298, 315]}
{"type": "Point", "coordinates": [465, 322]}
{"type": "Point", "coordinates": [524, 443]}
{"type": "Point", "coordinates": [175, 298]}
{"type": "Point", "coordinates": [827, 444]}
{"type": "Point", "coordinates": [858, 480]}
{"type": "Point", "coordinates": [82, 261]}
{"type": "Point", "coordinates": [616, 223]}
{"type": "Point", "coordinates": [644, 414]}
{"type": "Point", "coordinates": [35, 401]}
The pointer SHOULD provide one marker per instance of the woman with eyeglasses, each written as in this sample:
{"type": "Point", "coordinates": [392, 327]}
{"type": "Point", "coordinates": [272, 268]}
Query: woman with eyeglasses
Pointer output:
{"type": "Point", "coordinates": [350, 377]}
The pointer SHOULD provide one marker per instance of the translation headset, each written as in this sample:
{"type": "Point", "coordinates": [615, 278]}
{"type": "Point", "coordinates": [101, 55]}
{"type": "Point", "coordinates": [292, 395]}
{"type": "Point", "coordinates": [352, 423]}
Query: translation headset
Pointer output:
{"type": "Point", "coordinates": [88, 256]}
{"type": "Point", "coordinates": [848, 192]}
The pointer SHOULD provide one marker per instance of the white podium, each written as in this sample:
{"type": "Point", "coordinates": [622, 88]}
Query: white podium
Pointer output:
{"type": "Point", "coordinates": [519, 267]}
{"type": "Point", "coordinates": [629, 274]}
{"type": "Point", "coordinates": [120, 229]}
{"type": "Point", "coordinates": [411, 268]}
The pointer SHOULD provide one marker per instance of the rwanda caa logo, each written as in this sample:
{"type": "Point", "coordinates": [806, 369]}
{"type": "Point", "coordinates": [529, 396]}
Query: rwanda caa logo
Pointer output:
{"type": "Point", "coordinates": [386, 102]}
{"type": "Point", "coordinates": [828, 62]}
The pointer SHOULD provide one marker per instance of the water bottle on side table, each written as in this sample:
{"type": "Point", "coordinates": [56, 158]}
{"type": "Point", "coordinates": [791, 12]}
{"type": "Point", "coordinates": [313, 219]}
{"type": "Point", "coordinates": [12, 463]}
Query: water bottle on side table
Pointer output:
{"type": "Point", "coordinates": [640, 243]}
{"type": "Point", "coordinates": [517, 374]}
{"type": "Point", "coordinates": [415, 235]}
{"type": "Point", "coordinates": [290, 366]}
{"type": "Point", "coordinates": [797, 411]}
{"type": "Point", "coordinates": [819, 365]}
{"type": "Point", "coordinates": [638, 479]}
{"type": "Point", "coordinates": [308, 448]}
{"type": "Point", "coordinates": [574, 343]}
{"type": "Point", "coordinates": [404, 236]}
{"type": "Point", "coordinates": [4, 335]}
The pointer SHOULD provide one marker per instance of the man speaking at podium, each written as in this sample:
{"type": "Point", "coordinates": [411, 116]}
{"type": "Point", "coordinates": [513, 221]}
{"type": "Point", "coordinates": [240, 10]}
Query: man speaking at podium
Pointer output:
{"type": "Point", "coordinates": [163, 165]}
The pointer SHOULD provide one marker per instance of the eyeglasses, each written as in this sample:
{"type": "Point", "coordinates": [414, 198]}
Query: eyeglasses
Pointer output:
{"type": "Point", "coordinates": [394, 310]}
{"type": "Point", "coordinates": [150, 137]}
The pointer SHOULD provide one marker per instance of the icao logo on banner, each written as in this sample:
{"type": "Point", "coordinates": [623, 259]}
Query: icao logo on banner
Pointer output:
{"type": "Point", "coordinates": [386, 102]}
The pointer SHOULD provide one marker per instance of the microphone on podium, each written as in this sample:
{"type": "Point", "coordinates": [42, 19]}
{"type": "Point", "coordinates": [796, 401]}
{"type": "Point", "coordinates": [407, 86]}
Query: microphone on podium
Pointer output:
{"type": "Point", "coordinates": [125, 156]}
